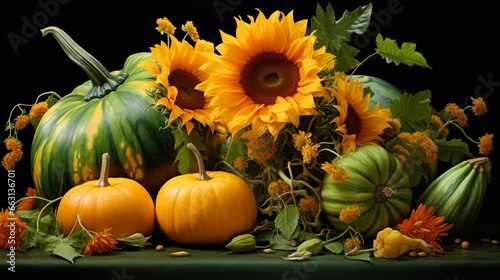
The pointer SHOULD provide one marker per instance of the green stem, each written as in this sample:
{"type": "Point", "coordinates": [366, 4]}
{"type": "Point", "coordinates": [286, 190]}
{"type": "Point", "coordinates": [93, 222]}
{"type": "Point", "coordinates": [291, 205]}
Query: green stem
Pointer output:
{"type": "Point", "coordinates": [103, 82]}
{"type": "Point", "coordinates": [203, 176]}
{"type": "Point", "coordinates": [41, 211]}
{"type": "Point", "coordinates": [361, 63]}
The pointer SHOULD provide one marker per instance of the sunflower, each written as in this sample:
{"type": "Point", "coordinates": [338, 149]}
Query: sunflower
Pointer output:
{"type": "Point", "coordinates": [177, 69]}
{"type": "Point", "coordinates": [358, 125]}
{"type": "Point", "coordinates": [267, 75]}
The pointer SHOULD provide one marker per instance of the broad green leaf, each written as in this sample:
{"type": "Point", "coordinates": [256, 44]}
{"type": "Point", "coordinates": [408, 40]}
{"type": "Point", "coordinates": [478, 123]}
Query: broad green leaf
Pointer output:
{"type": "Point", "coordinates": [66, 252]}
{"type": "Point", "coordinates": [185, 158]}
{"type": "Point", "coordinates": [136, 240]}
{"type": "Point", "coordinates": [345, 58]}
{"type": "Point", "coordinates": [287, 220]}
{"type": "Point", "coordinates": [388, 49]}
{"type": "Point", "coordinates": [452, 150]}
{"type": "Point", "coordinates": [335, 247]}
{"type": "Point", "coordinates": [413, 107]}
{"type": "Point", "coordinates": [361, 257]}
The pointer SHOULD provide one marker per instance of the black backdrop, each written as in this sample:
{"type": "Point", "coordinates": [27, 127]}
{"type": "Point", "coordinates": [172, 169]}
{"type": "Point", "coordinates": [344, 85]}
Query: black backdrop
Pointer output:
{"type": "Point", "coordinates": [459, 39]}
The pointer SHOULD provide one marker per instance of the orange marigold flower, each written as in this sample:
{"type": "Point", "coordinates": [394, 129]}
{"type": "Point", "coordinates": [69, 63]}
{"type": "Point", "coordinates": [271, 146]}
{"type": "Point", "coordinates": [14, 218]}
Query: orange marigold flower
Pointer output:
{"type": "Point", "coordinates": [240, 163]}
{"type": "Point", "coordinates": [479, 106]}
{"type": "Point", "coordinates": [437, 127]}
{"type": "Point", "coordinates": [350, 214]}
{"type": "Point", "coordinates": [301, 139]}
{"type": "Point", "coordinates": [486, 144]}
{"type": "Point", "coordinates": [456, 112]}
{"type": "Point", "coordinates": [190, 29]}
{"type": "Point", "coordinates": [11, 224]}
{"type": "Point", "coordinates": [278, 188]}
{"type": "Point", "coordinates": [27, 203]}
{"type": "Point", "coordinates": [165, 26]}
{"type": "Point", "coordinates": [352, 243]}
{"type": "Point", "coordinates": [22, 121]}
{"type": "Point", "coordinates": [309, 152]}
{"type": "Point", "coordinates": [38, 110]}
{"type": "Point", "coordinates": [309, 204]}
{"type": "Point", "coordinates": [12, 144]}
{"type": "Point", "coordinates": [101, 242]}
{"type": "Point", "coordinates": [337, 173]}
{"type": "Point", "coordinates": [423, 224]}
{"type": "Point", "coordinates": [10, 159]}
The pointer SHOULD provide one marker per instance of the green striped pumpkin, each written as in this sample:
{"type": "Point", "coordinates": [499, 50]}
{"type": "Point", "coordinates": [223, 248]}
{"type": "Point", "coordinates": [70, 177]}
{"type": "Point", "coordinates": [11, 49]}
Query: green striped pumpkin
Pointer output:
{"type": "Point", "coordinates": [377, 184]}
{"type": "Point", "coordinates": [111, 113]}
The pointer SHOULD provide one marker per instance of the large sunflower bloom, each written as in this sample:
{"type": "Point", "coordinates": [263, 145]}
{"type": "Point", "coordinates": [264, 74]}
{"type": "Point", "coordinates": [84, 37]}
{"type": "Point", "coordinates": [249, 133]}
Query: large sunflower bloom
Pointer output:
{"type": "Point", "coordinates": [267, 75]}
{"type": "Point", "coordinates": [177, 69]}
{"type": "Point", "coordinates": [358, 125]}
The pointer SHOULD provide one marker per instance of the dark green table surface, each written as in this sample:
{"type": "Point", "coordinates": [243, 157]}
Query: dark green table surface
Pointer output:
{"type": "Point", "coordinates": [480, 261]}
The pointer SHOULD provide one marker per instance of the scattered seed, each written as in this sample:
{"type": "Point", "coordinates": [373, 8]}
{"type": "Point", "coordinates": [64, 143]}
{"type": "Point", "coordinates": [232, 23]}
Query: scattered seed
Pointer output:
{"type": "Point", "coordinates": [413, 254]}
{"type": "Point", "coordinates": [180, 254]}
{"type": "Point", "coordinates": [294, 242]}
{"type": "Point", "coordinates": [422, 254]}
{"type": "Point", "coordinates": [457, 240]}
{"type": "Point", "coordinates": [485, 240]}
{"type": "Point", "coordinates": [269, 251]}
{"type": "Point", "coordinates": [494, 242]}
{"type": "Point", "coordinates": [465, 245]}
{"type": "Point", "coordinates": [159, 248]}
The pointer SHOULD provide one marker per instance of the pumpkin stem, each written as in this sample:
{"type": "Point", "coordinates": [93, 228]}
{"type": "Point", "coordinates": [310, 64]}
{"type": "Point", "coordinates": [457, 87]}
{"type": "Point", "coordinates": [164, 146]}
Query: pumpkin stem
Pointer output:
{"type": "Point", "coordinates": [103, 82]}
{"type": "Point", "coordinates": [103, 177]}
{"type": "Point", "coordinates": [383, 193]}
{"type": "Point", "coordinates": [203, 176]}
{"type": "Point", "coordinates": [479, 164]}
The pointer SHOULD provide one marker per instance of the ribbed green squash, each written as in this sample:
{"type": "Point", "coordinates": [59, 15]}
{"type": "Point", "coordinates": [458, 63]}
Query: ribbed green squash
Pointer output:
{"type": "Point", "coordinates": [111, 113]}
{"type": "Point", "coordinates": [458, 193]}
{"type": "Point", "coordinates": [377, 184]}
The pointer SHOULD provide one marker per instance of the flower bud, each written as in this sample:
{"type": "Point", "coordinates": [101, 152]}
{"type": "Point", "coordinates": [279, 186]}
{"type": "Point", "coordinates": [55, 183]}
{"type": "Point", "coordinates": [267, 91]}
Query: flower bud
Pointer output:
{"type": "Point", "coordinates": [242, 243]}
{"type": "Point", "coordinates": [313, 245]}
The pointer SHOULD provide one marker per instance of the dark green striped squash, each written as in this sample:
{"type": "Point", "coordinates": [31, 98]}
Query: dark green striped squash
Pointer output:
{"type": "Point", "coordinates": [377, 184]}
{"type": "Point", "coordinates": [111, 113]}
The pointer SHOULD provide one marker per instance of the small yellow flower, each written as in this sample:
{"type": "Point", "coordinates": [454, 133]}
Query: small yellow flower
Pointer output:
{"type": "Point", "coordinates": [21, 122]}
{"type": "Point", "coordinates": [436, 125]}
{"type": "Point", "coordinates": [352, 243]}
{"type": "Point", "coordinates": [101, 242]}
{"type": "Point", "coordinates": [350, 214]}
{"type": "Point", "coordinates": [278, 188]}
{"type": "Point", "coordinates": [309, 204]}
{"type": "Point", "coordinates": [190, 29]}
{"type": "Point", "coordinates": [11, 158]}
{"type": "Point", "coordinates": [261, 148]}
{"type": "Point", "coordinates": [457, 112]}
{"type": "Point", "coordinates": [301, 139]}
{"type": "Point", "coordinates": [486, 144]}
{"type": "Point", "coordinates": [12, 144]}
{"type": "Point", "coordinates": [479, 106]}
{"type": "Point", "coordinates": [165, 26]}
{"type": "Point", "coordinates": [337, 173]}
{"type": "Point", "coordinates": [38, 110]}
{"type": "Point", "coordinates": [240, 163]}
{"type": "Point", "coordinates": [309, 152]}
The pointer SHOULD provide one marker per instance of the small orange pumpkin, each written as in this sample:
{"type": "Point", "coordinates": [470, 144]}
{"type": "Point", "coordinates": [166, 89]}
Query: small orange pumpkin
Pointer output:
{"type": "Point", "coordinates": [205, 208]}
{"type": "Point", "coordinates": [121, 204]}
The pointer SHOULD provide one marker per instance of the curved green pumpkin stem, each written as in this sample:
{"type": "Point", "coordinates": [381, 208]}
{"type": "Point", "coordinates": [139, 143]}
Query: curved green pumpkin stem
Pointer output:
{"type": "Point", "coordinates": [103, 82]}
{"type": "Point", "coordinates": [203, 176]}
{"type": "Point", "coordinates": [103, 177]}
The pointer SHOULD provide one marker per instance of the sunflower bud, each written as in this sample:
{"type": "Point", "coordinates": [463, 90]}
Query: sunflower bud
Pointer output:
{"type": "Point", "coordinates": [313, 245]}
{"type": "Point", "coordinates": [242, 243]}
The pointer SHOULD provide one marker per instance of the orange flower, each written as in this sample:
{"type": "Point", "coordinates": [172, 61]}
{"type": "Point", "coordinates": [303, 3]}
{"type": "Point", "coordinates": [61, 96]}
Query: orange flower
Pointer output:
{"type": "Point", "coordinates": [423, 224]}
{"type": "Point", "coordinates": [350, 214]}
{"type": "Point", "coordinates": [337, 173]}
{"type": "Point", "coordinates": [11, 230]}
{"type": "Point", "coordinates": [486, 144]}
{"type": "Point", "coordinates": [309, 204]}
{"type": "Point", "coordinates": [102, 242]}
{"type": "Point", "coordinates": [479, 106]}
{"type": "Point", "coordinates": [21, 122]}
{"type": "Point", "coordinates": [27, 203]}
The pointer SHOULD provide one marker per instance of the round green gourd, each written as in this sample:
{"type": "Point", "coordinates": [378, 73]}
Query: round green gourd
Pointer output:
{"type": "Point", "coordinates": [377, 184]}
{"type": "Point", "coordinates": [111, 113]}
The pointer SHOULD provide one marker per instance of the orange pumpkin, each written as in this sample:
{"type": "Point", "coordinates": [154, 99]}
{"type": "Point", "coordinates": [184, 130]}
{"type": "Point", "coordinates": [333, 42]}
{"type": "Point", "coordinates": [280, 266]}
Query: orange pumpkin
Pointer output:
{"type": "Point", "coordinates": [121, 204]}
{"type": "Point", "coordinates": [205, 208]}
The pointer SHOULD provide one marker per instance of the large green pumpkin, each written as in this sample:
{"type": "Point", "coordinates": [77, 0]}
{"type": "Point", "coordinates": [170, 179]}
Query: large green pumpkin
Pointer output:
{"type": "Point", "coordinates": [377, 184]}
{"type": "Point", "coordinates": [111, 113]}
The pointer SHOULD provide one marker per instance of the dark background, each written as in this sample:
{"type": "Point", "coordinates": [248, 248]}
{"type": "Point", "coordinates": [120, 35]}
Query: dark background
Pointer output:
{"type": "Point", "coordinates": [459, 39]}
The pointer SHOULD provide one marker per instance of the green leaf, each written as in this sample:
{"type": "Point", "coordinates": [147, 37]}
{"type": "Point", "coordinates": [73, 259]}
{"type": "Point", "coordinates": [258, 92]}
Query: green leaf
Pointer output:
{"type": "Point", "coordinates": [136, 240]}
{"type": "Point", "coordinates": [335, 247]}
{"type": "Point", "coordinates": [185, 158]}
{"type": "Point", "coordinates": [413, 108]}
{"type": "Point", "coordinates": [66, 252]}
{"type": "Point", "coordinates": [287, 220]}
{"type": "Point", "coordinates": [388, 49]}
{"type": "Point", "coordinates": [452, 150]}
{"type": "Point", "coordinates": [361, 257]}
{"type": "Point", "coordinates": [345, 58]}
